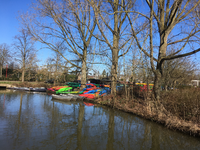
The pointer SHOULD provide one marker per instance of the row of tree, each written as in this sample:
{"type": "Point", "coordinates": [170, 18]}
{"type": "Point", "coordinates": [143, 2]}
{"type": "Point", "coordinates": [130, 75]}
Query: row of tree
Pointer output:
{"type": "Point", "coordinates": [155, 32]}
{"type": "Point", "coordinates": [20, 53]}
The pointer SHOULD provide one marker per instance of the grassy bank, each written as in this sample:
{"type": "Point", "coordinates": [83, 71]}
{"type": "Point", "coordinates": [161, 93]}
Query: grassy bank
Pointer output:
{"type": "Point", "coordinates": [27, 84]}
{"type": "Point", "coordinates": [177, 110]}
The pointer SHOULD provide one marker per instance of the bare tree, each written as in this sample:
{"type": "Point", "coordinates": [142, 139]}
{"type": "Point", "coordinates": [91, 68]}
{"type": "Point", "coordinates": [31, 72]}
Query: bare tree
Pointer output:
{"type": "Point", "coordinates": [171, 23]}
{"type": "Point", "coordinates": [32, 66]}
{"type": "Point", "coordinates": [24, 48]}
{"type": "Point", "coordinates": [5, 56]}
{"type": "Point", "coordinates": [112, 24]}
{"type": "Point", "coordinates": [180, 70]}
{"type": "Point", "coordinates": [69, 21]}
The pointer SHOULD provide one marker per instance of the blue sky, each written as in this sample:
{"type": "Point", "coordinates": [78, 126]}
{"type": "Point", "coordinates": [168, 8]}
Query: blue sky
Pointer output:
{"type": "Point", "coordinates": [9, 24]}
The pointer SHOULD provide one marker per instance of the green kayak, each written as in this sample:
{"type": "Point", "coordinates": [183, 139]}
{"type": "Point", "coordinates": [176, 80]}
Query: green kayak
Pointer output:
{"type": "Point", "coordinates": [67, 89]}
{"type": "Point", "coordinates": [73, 84]}
{"type": "Point", "coordinates": [70, 92]}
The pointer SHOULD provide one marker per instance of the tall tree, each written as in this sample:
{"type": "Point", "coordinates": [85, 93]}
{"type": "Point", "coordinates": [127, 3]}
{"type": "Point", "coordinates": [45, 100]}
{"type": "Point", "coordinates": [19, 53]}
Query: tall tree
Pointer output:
{"type": "Point", "coordinates": [171, 23]}
{"type": "Point", "coordinates": [70, 21]}
{"type": "Point", "coordinates": [112, 24]}
{"type": "Point", "coordinates": [24, 48]}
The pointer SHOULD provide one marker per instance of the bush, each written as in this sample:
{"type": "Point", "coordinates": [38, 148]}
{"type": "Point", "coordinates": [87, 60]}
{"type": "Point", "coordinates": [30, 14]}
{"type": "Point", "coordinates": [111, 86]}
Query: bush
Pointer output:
{"type": "Point", "coordinates": [183, 103]}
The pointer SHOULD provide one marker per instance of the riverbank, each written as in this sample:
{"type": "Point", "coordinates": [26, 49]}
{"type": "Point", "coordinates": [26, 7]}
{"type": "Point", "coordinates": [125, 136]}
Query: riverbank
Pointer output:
{"type": "Point", "coordinates": [25, 84]}
{"type": "Point", "coordinates": [157, 111]}
{"type": "Point", "coordinates": [177, 110]}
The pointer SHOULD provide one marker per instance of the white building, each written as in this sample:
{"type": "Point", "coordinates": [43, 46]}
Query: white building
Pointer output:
{"type": "Point", "coordinates": [195, 82]}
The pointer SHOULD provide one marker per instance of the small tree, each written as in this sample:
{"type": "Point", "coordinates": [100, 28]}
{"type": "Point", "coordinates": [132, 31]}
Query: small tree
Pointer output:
{"type": "Point", "coordinates": [104, 73]}
{"type": "Point", "coordinates": [4, 56]}
{"type": "Point", "coordinates": [24, 48]}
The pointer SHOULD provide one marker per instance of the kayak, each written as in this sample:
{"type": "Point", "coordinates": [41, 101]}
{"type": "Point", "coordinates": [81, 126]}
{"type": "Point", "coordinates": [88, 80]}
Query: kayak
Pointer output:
{"type": "Point", "coordinates": [89, 89]}
{"type": "Point", "coordinates": [88, 85]}
{"type": "Point", "coordinates": [38, 89]}
{"type": "Point", "coordinates": [92, 91]}
{"type": "Point", "coordinates": [73, 84]}
{"type": "Point", "coordinates": [56, 88]}
{"type": "Point", "coordinates": [70, 92]}
{"type": "Point", "coordinates": [91, 96]}
{"type": "Point", "coordinates": [63, 90]}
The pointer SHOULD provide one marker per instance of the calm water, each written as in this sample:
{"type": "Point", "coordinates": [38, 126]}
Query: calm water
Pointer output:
{"type": "Point", "coordinates": [35, 121]}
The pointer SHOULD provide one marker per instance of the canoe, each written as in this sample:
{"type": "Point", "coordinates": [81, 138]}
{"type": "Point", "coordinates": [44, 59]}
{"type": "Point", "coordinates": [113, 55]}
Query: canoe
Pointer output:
{"type": "Point", "coordinates": [77, 97]}
{"type": "Point", "coordinates": [62, 97]}
{"type": "Point", "coordinates": [22, 88]}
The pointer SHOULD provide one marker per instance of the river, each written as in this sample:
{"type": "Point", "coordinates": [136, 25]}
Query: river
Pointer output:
{"type": "Point", "coordinates": [35, 121]}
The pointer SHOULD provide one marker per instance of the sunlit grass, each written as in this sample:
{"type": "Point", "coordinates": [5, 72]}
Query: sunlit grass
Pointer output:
{"type": "Point", "coordinates": [8, 82]}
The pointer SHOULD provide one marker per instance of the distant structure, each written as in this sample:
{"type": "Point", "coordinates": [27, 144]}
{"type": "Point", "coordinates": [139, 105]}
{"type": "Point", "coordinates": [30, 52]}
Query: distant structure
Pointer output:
{"type": "Point", "coordinates": [195, 82]}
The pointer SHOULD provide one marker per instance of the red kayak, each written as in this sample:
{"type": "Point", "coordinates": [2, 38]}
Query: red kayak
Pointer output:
{"type": "Point", "coordinates": [92, 96]}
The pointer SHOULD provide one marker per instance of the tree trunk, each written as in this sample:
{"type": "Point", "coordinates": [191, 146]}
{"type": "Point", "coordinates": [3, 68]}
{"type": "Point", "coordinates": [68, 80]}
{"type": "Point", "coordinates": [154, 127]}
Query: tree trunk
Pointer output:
{"type": "Point", "coordinates": [83, 69]}
{"type": "Point", "coordinates": [0, 71]}
{"type": "Point", "coordinates": [114, 72]}
{"type": "Point", "coordinates": [158, 71]}
{"type": "Point", "coordinates": [23, 72]}
{"type": "Point", "coordinates": [157, 85]}
{"type": "Point", "coordinates": [115, 50]}
{"type": "Point", "coordinates": [29, 75]}
{"type": "Point", "coordinates": [23, 68]}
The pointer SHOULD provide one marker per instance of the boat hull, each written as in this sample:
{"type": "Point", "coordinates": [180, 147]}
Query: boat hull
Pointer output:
{"type": "Point", "coordinates": [62, 97]}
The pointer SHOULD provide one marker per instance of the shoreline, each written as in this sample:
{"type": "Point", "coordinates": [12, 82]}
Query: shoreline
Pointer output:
{"type": "Point", "coordinates": [148, 111]}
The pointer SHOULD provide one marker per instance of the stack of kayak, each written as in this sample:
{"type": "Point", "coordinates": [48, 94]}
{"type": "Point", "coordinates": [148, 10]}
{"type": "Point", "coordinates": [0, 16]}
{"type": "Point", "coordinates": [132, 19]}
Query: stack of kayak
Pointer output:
{"type": "Point", "coordinates": [143, 86]}
{"type": "Point", "coordinates": [66, 89]}
{"type": "Point", "coordinates": [92, 91]}
{"type": "Point", "coordinates": [55, 88]}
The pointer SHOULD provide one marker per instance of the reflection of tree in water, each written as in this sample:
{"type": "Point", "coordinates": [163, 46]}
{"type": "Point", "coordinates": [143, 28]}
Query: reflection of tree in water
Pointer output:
{"type": "Point", "coordinates": [111, 126]}
{"type": "Point", "coordinates": [58, 125]}
{"type": "Point", "coordinates": [18, 121]}
{"type": "Point", "coordinates": [2, 104]}
{"type": "Point", "coordinates": [80, 124]}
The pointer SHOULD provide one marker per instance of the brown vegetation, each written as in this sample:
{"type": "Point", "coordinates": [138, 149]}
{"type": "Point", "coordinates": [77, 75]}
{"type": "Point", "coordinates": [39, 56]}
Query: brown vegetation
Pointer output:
{"type": "Point", "coordinates": [32, 84]}
{"type": "Point", "coordinates": [178, 110]}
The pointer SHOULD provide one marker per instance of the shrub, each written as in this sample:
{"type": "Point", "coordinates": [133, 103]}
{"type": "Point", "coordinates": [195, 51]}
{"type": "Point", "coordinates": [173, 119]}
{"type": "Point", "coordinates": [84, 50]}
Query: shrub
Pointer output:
{"type": "Point", "coordinates": [183, 103]}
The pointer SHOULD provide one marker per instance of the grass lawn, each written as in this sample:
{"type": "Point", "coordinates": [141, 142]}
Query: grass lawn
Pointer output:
{"type": "Point", "coordinates": [9, 82]}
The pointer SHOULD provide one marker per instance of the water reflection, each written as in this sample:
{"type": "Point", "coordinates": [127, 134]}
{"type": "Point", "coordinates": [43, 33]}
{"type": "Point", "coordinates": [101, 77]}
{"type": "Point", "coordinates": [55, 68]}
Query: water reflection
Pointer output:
{"type": "Point", "coordinates": [34, 121]}
{"type": "Point", "coordinates": [111, 126]}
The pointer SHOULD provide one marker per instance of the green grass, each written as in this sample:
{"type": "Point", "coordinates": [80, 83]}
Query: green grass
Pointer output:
{"type": "Point", "coordinates": [7, 82]}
